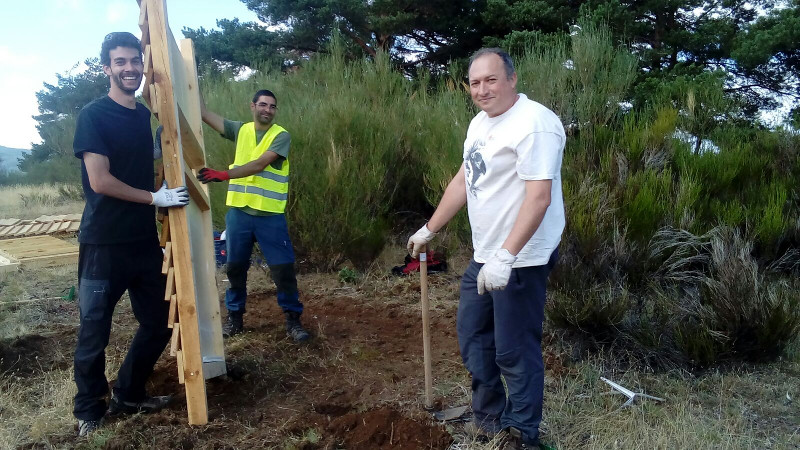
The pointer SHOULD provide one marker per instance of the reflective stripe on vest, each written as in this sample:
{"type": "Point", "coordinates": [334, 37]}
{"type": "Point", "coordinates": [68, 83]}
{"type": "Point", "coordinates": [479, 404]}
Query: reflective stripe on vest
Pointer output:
{"type": "Point", "coordinates": [264, 191]}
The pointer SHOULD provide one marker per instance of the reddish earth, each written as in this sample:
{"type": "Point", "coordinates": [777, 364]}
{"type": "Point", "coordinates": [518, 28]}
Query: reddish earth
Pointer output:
{"type": "Point", "coordinates": [357, 385]}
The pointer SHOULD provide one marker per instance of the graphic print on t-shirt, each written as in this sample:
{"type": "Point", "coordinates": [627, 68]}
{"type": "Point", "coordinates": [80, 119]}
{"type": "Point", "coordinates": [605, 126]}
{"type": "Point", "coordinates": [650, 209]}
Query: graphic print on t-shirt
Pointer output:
{"type": "Point", "coordinates": [474, 166]}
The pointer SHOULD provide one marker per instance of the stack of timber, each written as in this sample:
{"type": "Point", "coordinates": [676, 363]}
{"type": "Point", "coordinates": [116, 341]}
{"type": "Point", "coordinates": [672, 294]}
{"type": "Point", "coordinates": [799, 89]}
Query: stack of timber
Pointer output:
{"type": "Point", "coordinates": [36, 251]}
{"type": "Point", "coordinates": [171, 92]}
{"type": "Point", "coordinates": [14, 228]}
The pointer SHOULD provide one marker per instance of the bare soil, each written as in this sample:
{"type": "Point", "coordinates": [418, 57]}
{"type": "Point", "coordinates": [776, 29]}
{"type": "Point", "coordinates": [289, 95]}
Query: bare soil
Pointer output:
{"type": "Point", "coordinates": [358, 384]}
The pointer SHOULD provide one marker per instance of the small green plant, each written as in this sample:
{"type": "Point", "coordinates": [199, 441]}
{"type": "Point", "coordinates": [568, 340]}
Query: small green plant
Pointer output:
{"type": "Point", "coordinates": [348, 275]}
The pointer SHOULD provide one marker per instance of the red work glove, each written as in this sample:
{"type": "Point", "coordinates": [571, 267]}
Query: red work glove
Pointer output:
{"type": "Point", "coordinates": [207, 175]}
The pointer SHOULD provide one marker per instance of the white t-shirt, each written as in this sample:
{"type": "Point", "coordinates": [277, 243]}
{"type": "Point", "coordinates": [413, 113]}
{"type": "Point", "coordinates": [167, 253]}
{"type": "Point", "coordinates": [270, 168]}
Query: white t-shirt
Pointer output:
{"type": "Point", "coordinates": [500, 154]}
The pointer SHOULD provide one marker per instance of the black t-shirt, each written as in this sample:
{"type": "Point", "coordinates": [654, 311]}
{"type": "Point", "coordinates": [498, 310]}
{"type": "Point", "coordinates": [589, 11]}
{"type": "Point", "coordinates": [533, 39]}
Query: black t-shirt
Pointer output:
{"type": "Point", "coordinates": [124, 136]}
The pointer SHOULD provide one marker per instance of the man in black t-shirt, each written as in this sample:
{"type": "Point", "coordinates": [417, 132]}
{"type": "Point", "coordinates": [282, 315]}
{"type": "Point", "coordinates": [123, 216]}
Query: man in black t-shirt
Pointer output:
{"type": "Point", "coordinates": [119, 247]}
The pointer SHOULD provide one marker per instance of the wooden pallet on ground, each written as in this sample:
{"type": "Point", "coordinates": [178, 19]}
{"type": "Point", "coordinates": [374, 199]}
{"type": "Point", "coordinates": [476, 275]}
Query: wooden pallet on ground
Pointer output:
{"type": "Point", "coordinates": [36, 251]}
{"type": "Point", "coordinates": [16, 228]}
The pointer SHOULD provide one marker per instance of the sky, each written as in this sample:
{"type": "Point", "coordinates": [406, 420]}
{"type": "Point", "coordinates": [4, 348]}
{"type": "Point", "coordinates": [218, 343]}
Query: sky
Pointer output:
{"type": "Point", "coordinates": [40, 38]}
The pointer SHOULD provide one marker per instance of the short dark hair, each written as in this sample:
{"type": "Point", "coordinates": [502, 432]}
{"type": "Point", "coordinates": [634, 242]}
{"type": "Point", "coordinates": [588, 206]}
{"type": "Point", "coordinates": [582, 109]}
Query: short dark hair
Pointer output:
{"type": "Point", "coordinates": [262, 93]}
{"type": "Point", "coordinates": [508, 63]}
{"type": "Point", "coordinates": [118, 39]}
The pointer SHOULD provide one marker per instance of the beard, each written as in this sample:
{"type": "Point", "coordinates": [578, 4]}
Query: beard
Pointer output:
{"type": "Point", "coordinates": [117, 80]}
{"type": "Point", "coordinates": [263, 120]}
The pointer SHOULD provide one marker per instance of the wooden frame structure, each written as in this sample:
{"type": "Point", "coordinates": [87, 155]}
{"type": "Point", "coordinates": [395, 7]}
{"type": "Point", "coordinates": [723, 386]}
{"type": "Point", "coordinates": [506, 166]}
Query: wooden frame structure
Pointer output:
{"type": "Point", "coordinates": [172, 92]}
{"type": "Point", "coordinates": [36, 251]}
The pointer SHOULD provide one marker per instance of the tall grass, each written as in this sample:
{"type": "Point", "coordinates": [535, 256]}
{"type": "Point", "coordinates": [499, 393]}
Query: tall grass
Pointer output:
{"type": "Point", "coordinates": [28, 201]}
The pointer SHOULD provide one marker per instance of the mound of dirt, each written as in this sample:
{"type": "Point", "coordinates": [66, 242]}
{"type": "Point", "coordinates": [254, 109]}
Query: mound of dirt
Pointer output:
{"type": "Point", "coordinates": [33, 354]}
{"type": "Point", "coordinates": [385, 428]}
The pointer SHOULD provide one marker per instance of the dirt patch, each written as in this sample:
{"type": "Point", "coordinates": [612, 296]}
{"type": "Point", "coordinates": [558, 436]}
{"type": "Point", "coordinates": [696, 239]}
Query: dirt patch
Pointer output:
{"type": "Point", "coordinates": [35, 354]}
{"type": "Point", "coordinates": [330, 393]}
{"type": "Point", "coordinates": [386, 428]}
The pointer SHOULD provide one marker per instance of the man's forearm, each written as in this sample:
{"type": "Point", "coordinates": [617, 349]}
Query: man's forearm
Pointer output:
{"type": "Point", "coordinates": [109, 185]}
{"type": "Point", "coordinates": [530, 216]}
{"type": "Point", "coordinates": [454, 198]}
{"type": "Point", "coordinates": [253, 167]}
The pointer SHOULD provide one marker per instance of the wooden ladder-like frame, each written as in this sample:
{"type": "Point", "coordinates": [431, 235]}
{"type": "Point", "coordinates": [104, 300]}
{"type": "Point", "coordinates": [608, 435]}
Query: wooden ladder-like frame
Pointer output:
{"type": "Point", "coordinates": [172, 92]}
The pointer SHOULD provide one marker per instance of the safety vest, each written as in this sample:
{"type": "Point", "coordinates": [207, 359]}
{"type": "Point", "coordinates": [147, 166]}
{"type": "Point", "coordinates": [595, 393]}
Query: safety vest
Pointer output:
{"type": "Point", "coordinates": [266, 190]}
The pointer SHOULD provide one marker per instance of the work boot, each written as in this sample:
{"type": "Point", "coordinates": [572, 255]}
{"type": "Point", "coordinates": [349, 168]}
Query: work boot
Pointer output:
{"type": "Point", "coordinates": [518, 441]}
{"type": "Point", "coordinates": [147, 405]}
{"type": "Point", "coordinates": [87, 427]}
{"type": "Point", "coordinates": [234, 324]}
{"type": "Point", "coordinates": [294, 328]}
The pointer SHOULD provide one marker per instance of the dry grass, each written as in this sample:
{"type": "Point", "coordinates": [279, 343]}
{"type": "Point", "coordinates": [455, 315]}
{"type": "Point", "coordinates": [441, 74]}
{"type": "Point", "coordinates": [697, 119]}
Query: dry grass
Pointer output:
{"type": "Point", "coordinates": [742, 407]}
{"type": "Point", "coordinates": [31, 201]}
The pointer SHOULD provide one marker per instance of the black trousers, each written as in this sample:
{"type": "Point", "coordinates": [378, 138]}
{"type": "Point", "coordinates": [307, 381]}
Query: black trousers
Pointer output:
{"type": "Point", "coordinates": [104, 273]}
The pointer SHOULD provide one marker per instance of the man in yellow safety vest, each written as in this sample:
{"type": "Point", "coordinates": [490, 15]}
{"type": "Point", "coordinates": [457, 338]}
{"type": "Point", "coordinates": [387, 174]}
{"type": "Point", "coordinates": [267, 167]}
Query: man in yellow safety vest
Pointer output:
{"type": "Point", "coordinates": [257, 192]}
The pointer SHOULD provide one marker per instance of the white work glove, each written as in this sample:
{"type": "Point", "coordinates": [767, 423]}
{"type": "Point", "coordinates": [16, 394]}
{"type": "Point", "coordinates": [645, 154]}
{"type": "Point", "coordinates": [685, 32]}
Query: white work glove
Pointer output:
{"type": "Point", "coordinates": [166, 197]}
{"type": "Point", "coordinates": [495, 273]}
{"type": "Point", "coordinates": [419, 240]}
{"type": "Point", "coordinates": [157, 143]}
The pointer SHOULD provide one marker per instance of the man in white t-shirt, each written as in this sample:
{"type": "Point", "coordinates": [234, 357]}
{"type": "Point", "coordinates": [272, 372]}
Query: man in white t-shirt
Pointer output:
{"type": "Point", "coordinates": [511, 183]}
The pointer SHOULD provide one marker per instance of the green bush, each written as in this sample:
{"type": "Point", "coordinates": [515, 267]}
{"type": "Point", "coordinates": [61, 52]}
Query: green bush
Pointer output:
{"type": "Point", "coordinates": [597, 310]}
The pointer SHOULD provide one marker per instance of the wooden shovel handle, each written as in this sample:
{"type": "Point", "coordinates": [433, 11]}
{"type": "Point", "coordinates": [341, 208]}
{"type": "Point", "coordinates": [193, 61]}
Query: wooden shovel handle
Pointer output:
{"type": "Point", "coordinates": [426, 327]}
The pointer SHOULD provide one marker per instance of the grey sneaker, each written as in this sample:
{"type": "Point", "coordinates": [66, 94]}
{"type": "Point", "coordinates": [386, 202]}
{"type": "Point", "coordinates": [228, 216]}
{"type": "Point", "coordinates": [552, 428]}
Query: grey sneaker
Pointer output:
{"type": "Point", "coordinates": [87, 427]}
{"type": "Point", "coordinates": [148, 405]}
{"type": "Point", "coordinates": [294, 328]}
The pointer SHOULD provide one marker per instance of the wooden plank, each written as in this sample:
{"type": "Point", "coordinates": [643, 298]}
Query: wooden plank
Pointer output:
{"type": "Point", "coordinates": [196, 191]}
{"type": "Point", "coordinates": [148, 66]}
{"type": "Point", "coordinates": [174, 344]}
{"type": "Point", "coordinates": [53, 227]}
{"type": "Point", "coordinates": [7, 222]}
{"type": "Point", "coordinates": [16, 230]}
{"type": "Point", "coordinates": [25, 229]}
{"type": "Point", "coordinates": [37, 249]}
{"type": "Point", "coordinates": [36, 246]}
{"type": "Point", "coordinates": [182, 371]}
{"type": "Point", "coordinates": [63, 226]}
{"type": "Point", "coordinates": [170, 289]}
{"type": "Point", "coordinates": [34, 229]}
{"type": "Point", "coordinates": [73, 227]}
{"type": "Point", "coordinates": [173, 310]}
{"type": "Point", "coordinates": [143, 15]}
{"type": "Point", "coordinates": [189, 109]}
{"type": "Point", "coordinates": [164, 231]}
{"type": "Point", "coordinates": [50, 261]}
{"type": "Point", "coordinates": [153, 97]}
{"type": "Point", "coordinates": [143, 25]}
{"type": "Point", "coordinates": [193, 150]}
{"type": "Point", "coordinates": [167, 259]}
